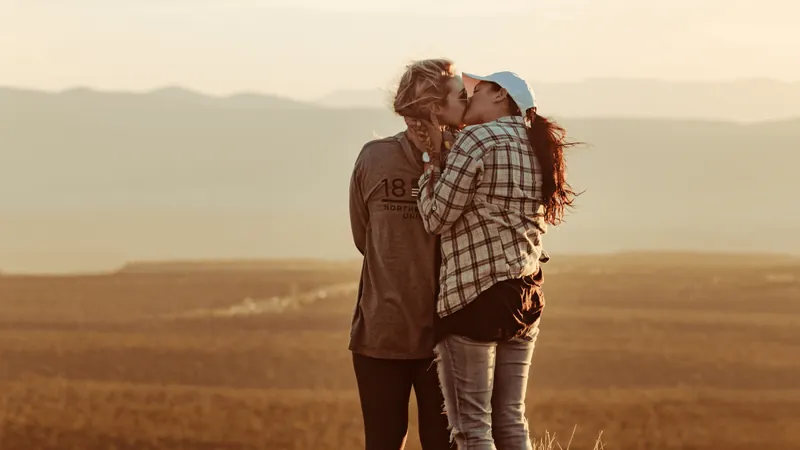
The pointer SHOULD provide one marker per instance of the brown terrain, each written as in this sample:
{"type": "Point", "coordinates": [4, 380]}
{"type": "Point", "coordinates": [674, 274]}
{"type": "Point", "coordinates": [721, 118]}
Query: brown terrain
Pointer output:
{"type": "Point", "coordinates": [655, 351]}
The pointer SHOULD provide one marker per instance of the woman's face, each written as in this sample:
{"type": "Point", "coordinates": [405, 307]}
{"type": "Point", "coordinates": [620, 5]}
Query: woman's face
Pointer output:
{"type": "Point", "coordinates": [483, 100]}
{"type": "Point", "coordinates": [451, 111]}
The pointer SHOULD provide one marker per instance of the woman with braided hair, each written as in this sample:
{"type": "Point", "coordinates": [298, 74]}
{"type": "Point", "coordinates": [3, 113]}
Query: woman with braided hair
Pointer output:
{"type": "Point", "coordinates": [392, 332]}
{"type": "Point", "coordinates": [490, 199]}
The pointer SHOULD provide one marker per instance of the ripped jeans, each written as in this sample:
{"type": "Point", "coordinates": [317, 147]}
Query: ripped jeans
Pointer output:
{"type": "Point", "coordinates": [484, 386]}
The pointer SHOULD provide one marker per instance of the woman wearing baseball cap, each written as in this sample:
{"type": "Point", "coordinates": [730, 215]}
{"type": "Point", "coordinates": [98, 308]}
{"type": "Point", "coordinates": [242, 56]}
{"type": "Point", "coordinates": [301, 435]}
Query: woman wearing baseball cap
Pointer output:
{"type": "Point", "coordinates": [491, 198]}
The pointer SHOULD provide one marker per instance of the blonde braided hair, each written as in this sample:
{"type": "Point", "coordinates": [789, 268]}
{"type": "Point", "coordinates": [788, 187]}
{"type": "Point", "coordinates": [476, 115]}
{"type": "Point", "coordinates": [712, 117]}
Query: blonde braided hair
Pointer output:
{"type": "Point", "coordinates": [417, 127]}
{"type": "Point", "coordinates": [424, 84]}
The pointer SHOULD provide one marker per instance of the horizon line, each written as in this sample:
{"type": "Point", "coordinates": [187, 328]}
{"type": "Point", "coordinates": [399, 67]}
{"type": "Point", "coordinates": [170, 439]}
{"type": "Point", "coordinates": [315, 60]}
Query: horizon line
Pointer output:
{"type": "Point", "coordinates": [199, 262]}
{"type": "Point", "coordinates": [261, 93]}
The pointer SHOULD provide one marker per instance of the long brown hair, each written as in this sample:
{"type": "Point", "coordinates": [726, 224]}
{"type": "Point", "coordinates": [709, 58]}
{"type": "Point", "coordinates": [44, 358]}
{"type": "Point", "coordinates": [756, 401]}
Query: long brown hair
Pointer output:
{"type": "Point", "coordinates": [423, 84]}
{"type": "Point", "coordinates": [549, 140]}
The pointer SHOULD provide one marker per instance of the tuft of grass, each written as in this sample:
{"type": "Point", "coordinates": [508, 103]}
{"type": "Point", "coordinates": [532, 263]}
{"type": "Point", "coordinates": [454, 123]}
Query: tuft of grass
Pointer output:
{"type": "Point", "coordinates": [549, 442]}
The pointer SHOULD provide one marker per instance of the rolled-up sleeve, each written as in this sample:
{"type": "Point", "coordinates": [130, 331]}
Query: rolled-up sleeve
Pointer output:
{"type": "Point", "coordinates": [445, 193]}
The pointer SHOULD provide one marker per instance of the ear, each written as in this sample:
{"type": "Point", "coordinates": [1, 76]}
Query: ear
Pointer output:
{"type": "Point", "coordinates": [500, 96]}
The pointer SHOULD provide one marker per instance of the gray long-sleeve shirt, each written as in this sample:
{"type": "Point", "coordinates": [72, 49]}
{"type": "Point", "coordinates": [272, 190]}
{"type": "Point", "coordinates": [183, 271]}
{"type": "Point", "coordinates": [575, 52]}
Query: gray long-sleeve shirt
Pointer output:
{"type": "Point", "coordinates": [394, 315]}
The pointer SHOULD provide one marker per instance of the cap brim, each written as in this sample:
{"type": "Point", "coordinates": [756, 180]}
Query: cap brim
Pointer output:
{"type": "Point", "coordinates": [470, 81]}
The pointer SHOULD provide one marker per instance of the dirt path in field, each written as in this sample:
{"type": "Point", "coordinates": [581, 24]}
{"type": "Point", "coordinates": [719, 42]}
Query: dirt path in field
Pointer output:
{"type": "Point", "coordinates": [273, 305]}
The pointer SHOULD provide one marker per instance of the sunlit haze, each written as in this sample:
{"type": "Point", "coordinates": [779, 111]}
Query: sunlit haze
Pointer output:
{"type": "Point", "coordinates": [121, 139]}
{"type": "Point", "coordinates": [307, 48]}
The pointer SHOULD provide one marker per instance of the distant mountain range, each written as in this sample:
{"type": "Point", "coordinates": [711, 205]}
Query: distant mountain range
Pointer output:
{"type": "Point", "coordinates": [166, 98]}
{"type": "Point", "coordinates": [97, 178]}
{"type": "Point", "coordinates": [743, 100]}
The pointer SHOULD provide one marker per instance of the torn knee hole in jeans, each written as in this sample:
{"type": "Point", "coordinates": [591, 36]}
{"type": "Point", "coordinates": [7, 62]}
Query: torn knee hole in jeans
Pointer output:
{"type": "Point", "coordinates": [454, 432]}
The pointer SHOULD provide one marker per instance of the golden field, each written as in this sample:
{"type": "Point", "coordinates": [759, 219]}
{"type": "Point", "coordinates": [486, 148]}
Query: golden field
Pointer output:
{"type": "Point", "coordinates": [674, 351]}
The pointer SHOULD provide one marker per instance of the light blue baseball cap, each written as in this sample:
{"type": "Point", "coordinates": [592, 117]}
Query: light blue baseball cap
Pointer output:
{"type": "Point", "coordinates": [519, 89]}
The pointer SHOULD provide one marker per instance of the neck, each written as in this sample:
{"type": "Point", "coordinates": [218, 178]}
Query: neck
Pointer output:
{"type": "Point", "coordinates": [498, 114]}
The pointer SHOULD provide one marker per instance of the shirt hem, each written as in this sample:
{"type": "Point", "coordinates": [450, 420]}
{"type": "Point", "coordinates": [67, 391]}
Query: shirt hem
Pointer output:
{"type": "Point", "coordinates": [461, 305]}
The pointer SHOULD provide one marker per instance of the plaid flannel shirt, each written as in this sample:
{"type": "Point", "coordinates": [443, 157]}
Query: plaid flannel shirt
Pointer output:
{"type": "Point", "coordinates": [486, 205]}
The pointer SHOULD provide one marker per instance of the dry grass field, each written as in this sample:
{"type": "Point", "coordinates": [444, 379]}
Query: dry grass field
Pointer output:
{"type": "Point", "coordinates": [657, 352]}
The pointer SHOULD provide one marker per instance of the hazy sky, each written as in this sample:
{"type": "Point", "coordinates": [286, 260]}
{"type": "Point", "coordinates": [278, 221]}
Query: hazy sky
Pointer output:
{"type": "Point", "coordinates": [307, 48]}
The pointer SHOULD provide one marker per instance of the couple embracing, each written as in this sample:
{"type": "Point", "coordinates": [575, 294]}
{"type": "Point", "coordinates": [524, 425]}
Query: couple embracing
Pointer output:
{"type": "Point", "coordinates": [449, 216]}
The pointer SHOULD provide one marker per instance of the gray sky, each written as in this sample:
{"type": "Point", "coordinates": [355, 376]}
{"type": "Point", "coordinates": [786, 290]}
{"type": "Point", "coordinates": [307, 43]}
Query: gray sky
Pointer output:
{"type": "Point", "coordinates": [307, 48]}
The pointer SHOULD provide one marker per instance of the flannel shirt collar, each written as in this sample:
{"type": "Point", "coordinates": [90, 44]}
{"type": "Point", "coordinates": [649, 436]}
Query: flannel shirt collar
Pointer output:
{"type": "Point", "coordinates": [519, 120]}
